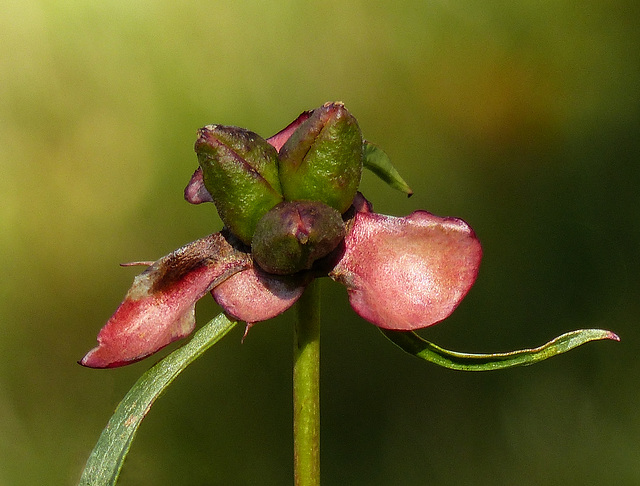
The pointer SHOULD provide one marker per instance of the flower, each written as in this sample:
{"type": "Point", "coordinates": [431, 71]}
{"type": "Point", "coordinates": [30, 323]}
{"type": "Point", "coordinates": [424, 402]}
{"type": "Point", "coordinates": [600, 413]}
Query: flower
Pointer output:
{"type": "Point", "coordinates": [401, 273]}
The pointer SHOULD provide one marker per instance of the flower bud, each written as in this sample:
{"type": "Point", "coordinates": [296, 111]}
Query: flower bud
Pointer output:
{"type": "Point", "coordinates": [293, 235]}
{"type": "Point", "coordinates": [240, 171]}
{"type": "Point", "coordinates": [322, 160]}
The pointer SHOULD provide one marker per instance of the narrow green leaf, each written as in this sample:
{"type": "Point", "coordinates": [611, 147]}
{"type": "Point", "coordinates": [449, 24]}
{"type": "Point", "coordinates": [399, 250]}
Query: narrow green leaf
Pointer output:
{"type": "Point", "coordinates": [415, 345]}
{"type": "Point", "coordinates": [377, 161]}
{"type": "Point", "coordinates": [105, 462]}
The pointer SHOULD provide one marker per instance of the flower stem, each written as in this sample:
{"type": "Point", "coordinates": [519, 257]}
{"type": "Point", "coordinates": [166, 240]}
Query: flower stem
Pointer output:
{"type": "Point", "coordinates": [306, 388]}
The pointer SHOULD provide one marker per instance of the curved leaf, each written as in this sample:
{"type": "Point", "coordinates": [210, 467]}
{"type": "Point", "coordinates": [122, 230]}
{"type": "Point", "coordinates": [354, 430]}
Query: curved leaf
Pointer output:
{"type": "Point", "coordinates": [105, 462]}
{"type": "Point", "coordinates": [377, 161]}
{"type": "Point", "coordinates": [415, 345]}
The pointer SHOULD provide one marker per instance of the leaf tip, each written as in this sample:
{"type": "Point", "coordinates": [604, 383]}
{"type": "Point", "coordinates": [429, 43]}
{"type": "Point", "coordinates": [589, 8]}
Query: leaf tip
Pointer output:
{"type": "Point", "coordinates": [612, 335]}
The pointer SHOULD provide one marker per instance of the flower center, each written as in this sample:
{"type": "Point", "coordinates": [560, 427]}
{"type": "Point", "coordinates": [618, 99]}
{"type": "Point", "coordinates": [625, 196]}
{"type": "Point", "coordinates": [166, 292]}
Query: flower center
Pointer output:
{"type": "Point", "coordinates": [294, 234]}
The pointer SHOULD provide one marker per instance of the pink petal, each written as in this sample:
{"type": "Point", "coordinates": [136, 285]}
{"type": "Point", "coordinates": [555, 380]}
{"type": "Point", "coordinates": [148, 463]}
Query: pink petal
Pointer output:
{"type": "Point", "coordinates": [361, 204]}
{"type": "Point", "coordinates": [253, 295]}
{"type": "Point", "coordinates": [159, 308]}
{"type": "Point", "coordinates": [407, 273]}
{"type": "Point", "coordinates": [195, 192]}
{"type": "Point", "coordinates": [283, 135]}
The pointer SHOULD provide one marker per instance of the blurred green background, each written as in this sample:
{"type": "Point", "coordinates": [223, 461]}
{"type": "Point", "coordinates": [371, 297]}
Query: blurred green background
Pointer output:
{"type": "Point", "coordinates": [523, 118]}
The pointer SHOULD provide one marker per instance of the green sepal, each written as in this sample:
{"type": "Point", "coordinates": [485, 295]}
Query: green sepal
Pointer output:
{"type": "Point", "coordinates": [106, 460]}
{"type": "Point", "coordinates": [377, 161]}
{"type": "Point", "coordinates": [413, 344]}
{"type": "Point", "coordinates": [240, 171]}
{"type": "Point", "coordinates": [322, 160]}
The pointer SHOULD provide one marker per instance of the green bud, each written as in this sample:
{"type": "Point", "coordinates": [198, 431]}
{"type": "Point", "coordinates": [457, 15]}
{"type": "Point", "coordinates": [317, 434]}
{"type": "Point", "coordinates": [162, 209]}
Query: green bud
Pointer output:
{"type": "Point", "coordinates": [240, 171]}
{"type": "Point", "coordinates": [322, 160]}
{"type": "Point", "coordinates": [293, 235]}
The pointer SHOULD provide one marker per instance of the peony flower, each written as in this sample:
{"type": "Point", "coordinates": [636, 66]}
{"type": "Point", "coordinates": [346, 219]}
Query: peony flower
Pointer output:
{"type": "Point", "coordinates": [292, 213]}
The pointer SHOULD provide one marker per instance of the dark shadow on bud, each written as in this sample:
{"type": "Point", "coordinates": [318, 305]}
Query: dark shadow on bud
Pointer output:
{"type": "Point", "coordinates": [293, 235]}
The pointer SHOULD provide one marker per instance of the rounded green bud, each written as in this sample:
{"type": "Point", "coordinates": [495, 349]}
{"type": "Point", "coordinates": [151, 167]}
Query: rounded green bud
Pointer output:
{"type": "Point", "coordinates": [240, 171]}
{"type": "Point", "coordinates": [322, 160]}
{"type": "Point", "coordinates": [293, 235]}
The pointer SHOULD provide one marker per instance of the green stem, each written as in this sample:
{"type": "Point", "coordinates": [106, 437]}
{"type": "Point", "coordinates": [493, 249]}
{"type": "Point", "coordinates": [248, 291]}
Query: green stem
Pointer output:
{"type": "Point", "coordinates": [306, 388]}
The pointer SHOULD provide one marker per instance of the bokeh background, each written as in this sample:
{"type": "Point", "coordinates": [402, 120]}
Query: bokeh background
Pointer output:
{"type": "Point", "coordinates": [523, 118]}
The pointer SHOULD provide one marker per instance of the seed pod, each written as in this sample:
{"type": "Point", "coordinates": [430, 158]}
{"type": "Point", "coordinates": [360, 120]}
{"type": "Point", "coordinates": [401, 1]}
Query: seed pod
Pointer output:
{"type": "Point", "coordinates": [293, 235]}
{"type": "Point", "coordinates": [322, 160]}
{"type": "Point", "coordinates": [240, 171]}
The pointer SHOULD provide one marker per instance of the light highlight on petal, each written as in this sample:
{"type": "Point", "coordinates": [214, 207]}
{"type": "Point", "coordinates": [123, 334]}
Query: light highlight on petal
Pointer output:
{"type": "Point", "coordinates": [407, 273]}
{"type": "Point", "coordinates": [253, 295]}
{"type": "Point", "coordinates": [159, 308]}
